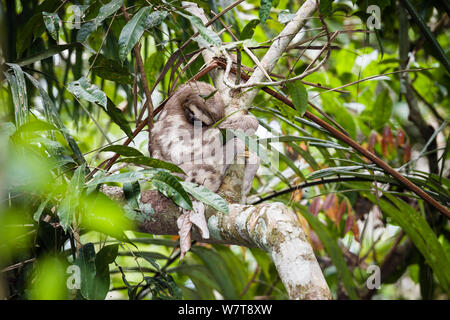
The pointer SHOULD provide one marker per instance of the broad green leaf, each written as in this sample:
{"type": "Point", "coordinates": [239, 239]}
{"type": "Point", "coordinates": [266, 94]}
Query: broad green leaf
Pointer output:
{"type": "Point", "coordinates": [169, 186]}
{"type": "Point", "coordinates": [110, 69]}
{"type": "Point", "coordinates": [331, 246]}
{"type": "Point", "coordinates": [201, 277]}
{"type": "Point", "coordinates": [420, 233]}
{"type": "Point", "coordinates": [102, 279]}
{"type": "Point", "coordinates": [264, 12]}
{"type": "Point", "coordinates": [85, 31]}
{"type": "Point", "coordinates": [249, 29]}
{"type": "Point", "coordinates": [208, 35]}
{"type": "Point", "coordinates": [206, 196]}
{"type": "Point", "coordinates": [86, 262]}
{"type": "Point", "coordinates": [438, 52]}
{"type": "Point", "coordinates": [325, 7]}
{"type": "Point", "coordinates": [34, 125]}
{"type": "Point", "coordinates": [52, 116]}
{"type": "Point", "coordinates": [155, 18]}
{"type": "Point", "coordinates": [52, 22]}
{"type": "Point", "coordinates": [69, 204]}
{"type": "Point", "coordinates": [132, 32]}
{"type": "Point", "coordinates": [47, 53]}
{"type": "Point", "coordinates": [151, 162]}
{"type": "Point", "coordinates": [126, 177]}
{"type": "Point", "coordinates": [104, 12]}
{"type": "Point", "coordinates": [218, 268]}
{"type": "Point", "coordinates": [382, 110]}
{"type": "Point", "coordinates": [40, 209]}
{"type": "Point", "coordinates": [20, 96]}
{"type": "Point", "coordinates": [83, 89]}
{"type": "Point", "coordinates": [299, 96]}
{"type": "Point", "coordinates": [123, 150]}
{"type": "Point", "coordinates": [263, 260]}
{"type": "Point", "coordinates": [118, 117]}
{"type": "Point", "coordinates": [152, 66]}
{"type": "Point", "coordinates": [34, 26]}
{"type": "Point", "coordinates": [107, 10]}
{"type": "Point", "coordinates": [102, 214]}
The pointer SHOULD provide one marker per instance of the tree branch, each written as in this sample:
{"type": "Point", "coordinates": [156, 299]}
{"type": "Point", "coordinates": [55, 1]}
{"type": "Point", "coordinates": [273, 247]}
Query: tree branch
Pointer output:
{"type": "Point", "coordinates": [271, 227]}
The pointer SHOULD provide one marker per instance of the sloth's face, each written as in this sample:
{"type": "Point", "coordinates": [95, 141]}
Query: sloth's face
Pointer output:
{"type": "Point", "coordinates": [193, 113]}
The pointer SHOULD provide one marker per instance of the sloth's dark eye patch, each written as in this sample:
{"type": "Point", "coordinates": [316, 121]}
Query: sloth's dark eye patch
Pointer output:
{"type": "Point", "coordinates": [190, 116]}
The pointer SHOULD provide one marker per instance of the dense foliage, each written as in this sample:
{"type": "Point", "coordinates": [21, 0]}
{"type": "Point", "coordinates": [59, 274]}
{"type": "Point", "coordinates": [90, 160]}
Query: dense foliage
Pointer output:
{"type": "Point", "coordinates": [72, 92]}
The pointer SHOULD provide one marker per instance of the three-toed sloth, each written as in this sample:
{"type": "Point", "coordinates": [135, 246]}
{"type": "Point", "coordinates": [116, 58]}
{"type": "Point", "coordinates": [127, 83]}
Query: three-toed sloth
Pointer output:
{"type": "Point", "coordinates": [187, 133]}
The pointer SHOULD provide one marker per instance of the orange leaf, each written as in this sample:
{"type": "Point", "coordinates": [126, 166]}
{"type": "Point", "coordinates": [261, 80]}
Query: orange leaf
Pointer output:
{"type": "Point", "coordinates": [407, 152]}
{"type": "Point", "coordinates": [315, 205]}
{"type": "Point", "coordinates": [341, 211]}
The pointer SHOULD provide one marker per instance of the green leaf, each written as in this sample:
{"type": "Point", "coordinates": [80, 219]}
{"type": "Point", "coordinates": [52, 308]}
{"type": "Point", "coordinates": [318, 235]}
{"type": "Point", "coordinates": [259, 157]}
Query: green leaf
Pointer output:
{"type": "Point", "coordinates": [69, 204]}
{"type": "Point", "coordinates": [40, 209]}
{"type": "Point", "coordinates": [438, 52]}
{"type": "Point", "coordinates": [52, 22]}
{"type": "Point", "coordinates": [83, 89]}
{"type": "Point", "coordinates": [85, 31]}
{"type": "Point", "coordinates": [155, 18]}
{"type": "Point", "coordinates": [19, 90]}
{"type": "Point", "coordinates": [102, 279]}
{"type": "Point", "coordinates": [325, 7]}
{"type": "Point", "coordinates": [382, 110]}
{"type": "Point", "coordinates": [299, 96]}
{"type": "Point", "coordinates": [132, 32]}
{"type": "Point", "coordinates": [207, 34]}
{"type": "Point", "coordinates": [206, 196]}
{"type": "Point", "coordinates": [118, 118]}
{"type": "Point", "coordinates": [86, 262]}
{"type": "Point", "coordinates": [249, 29]}
{"type": "Point", "coordinates": [109, 69]}
{"type": "Point", "coordinates": [332, 248]}
{"type": "Point", "coordinates": [169, 186]}
{"type": "Point", "coordinates": [217, 266]}
{"type": "Point", "coordinates": [152, 66]}
{"type": "Point", "coordinates": [263, 260]}
{"type": "Point", "coordinates": [420, 233]}
{"type": "Point", "coordinates": [52, 116]}
{"type": "Point", "coordinates": [47, 53]}
{"type": "Point", "coordinates": [34, 26]}
{"type": "Point", "coordinates": [102, 214]}
{"type": "Point", "coordinates": [32, 126]}
{"type": "Point", "coordinates": [151, 162]}
{"type": "Point", "coordinates": [126, 177]}
{"type": "Point", "coordinates": [264, 12]}
{"type": "Point", "coordinates": [104, 12]}
{"type": "Point", "coordinates": [123, 150]}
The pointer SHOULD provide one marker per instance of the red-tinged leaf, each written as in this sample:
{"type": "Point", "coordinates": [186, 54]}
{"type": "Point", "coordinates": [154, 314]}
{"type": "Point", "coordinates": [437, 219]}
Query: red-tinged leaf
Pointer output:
{"type": "Point", "coordinates": [316, 243]}
{"type": "Point", "coordinates": [400, 138]}
{"type": "Point", "coordinates": [355, 230]}
{"type": "Point", "coordinates": [387, 135]}
{"type": "Point", "coordinates": [314, 207]}
{"type": "Point", "coordinates": [407, 153]}
{"type": "Point", "coordinates": [384, 147]}
{"type": "Point", "coordinates": [329, 200]}
{"type": "Point", "coordinates": [341, 211]}
{"type": "Point", "coordinates": [349, 222]}
{"type": "Point", "coordinates": [372, 141]}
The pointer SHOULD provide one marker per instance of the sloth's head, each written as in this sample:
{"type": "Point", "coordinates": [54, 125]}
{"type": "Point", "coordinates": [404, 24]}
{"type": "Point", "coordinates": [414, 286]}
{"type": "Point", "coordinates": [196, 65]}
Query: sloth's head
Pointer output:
{"type": "Point", "coordinates": [201, 103]}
